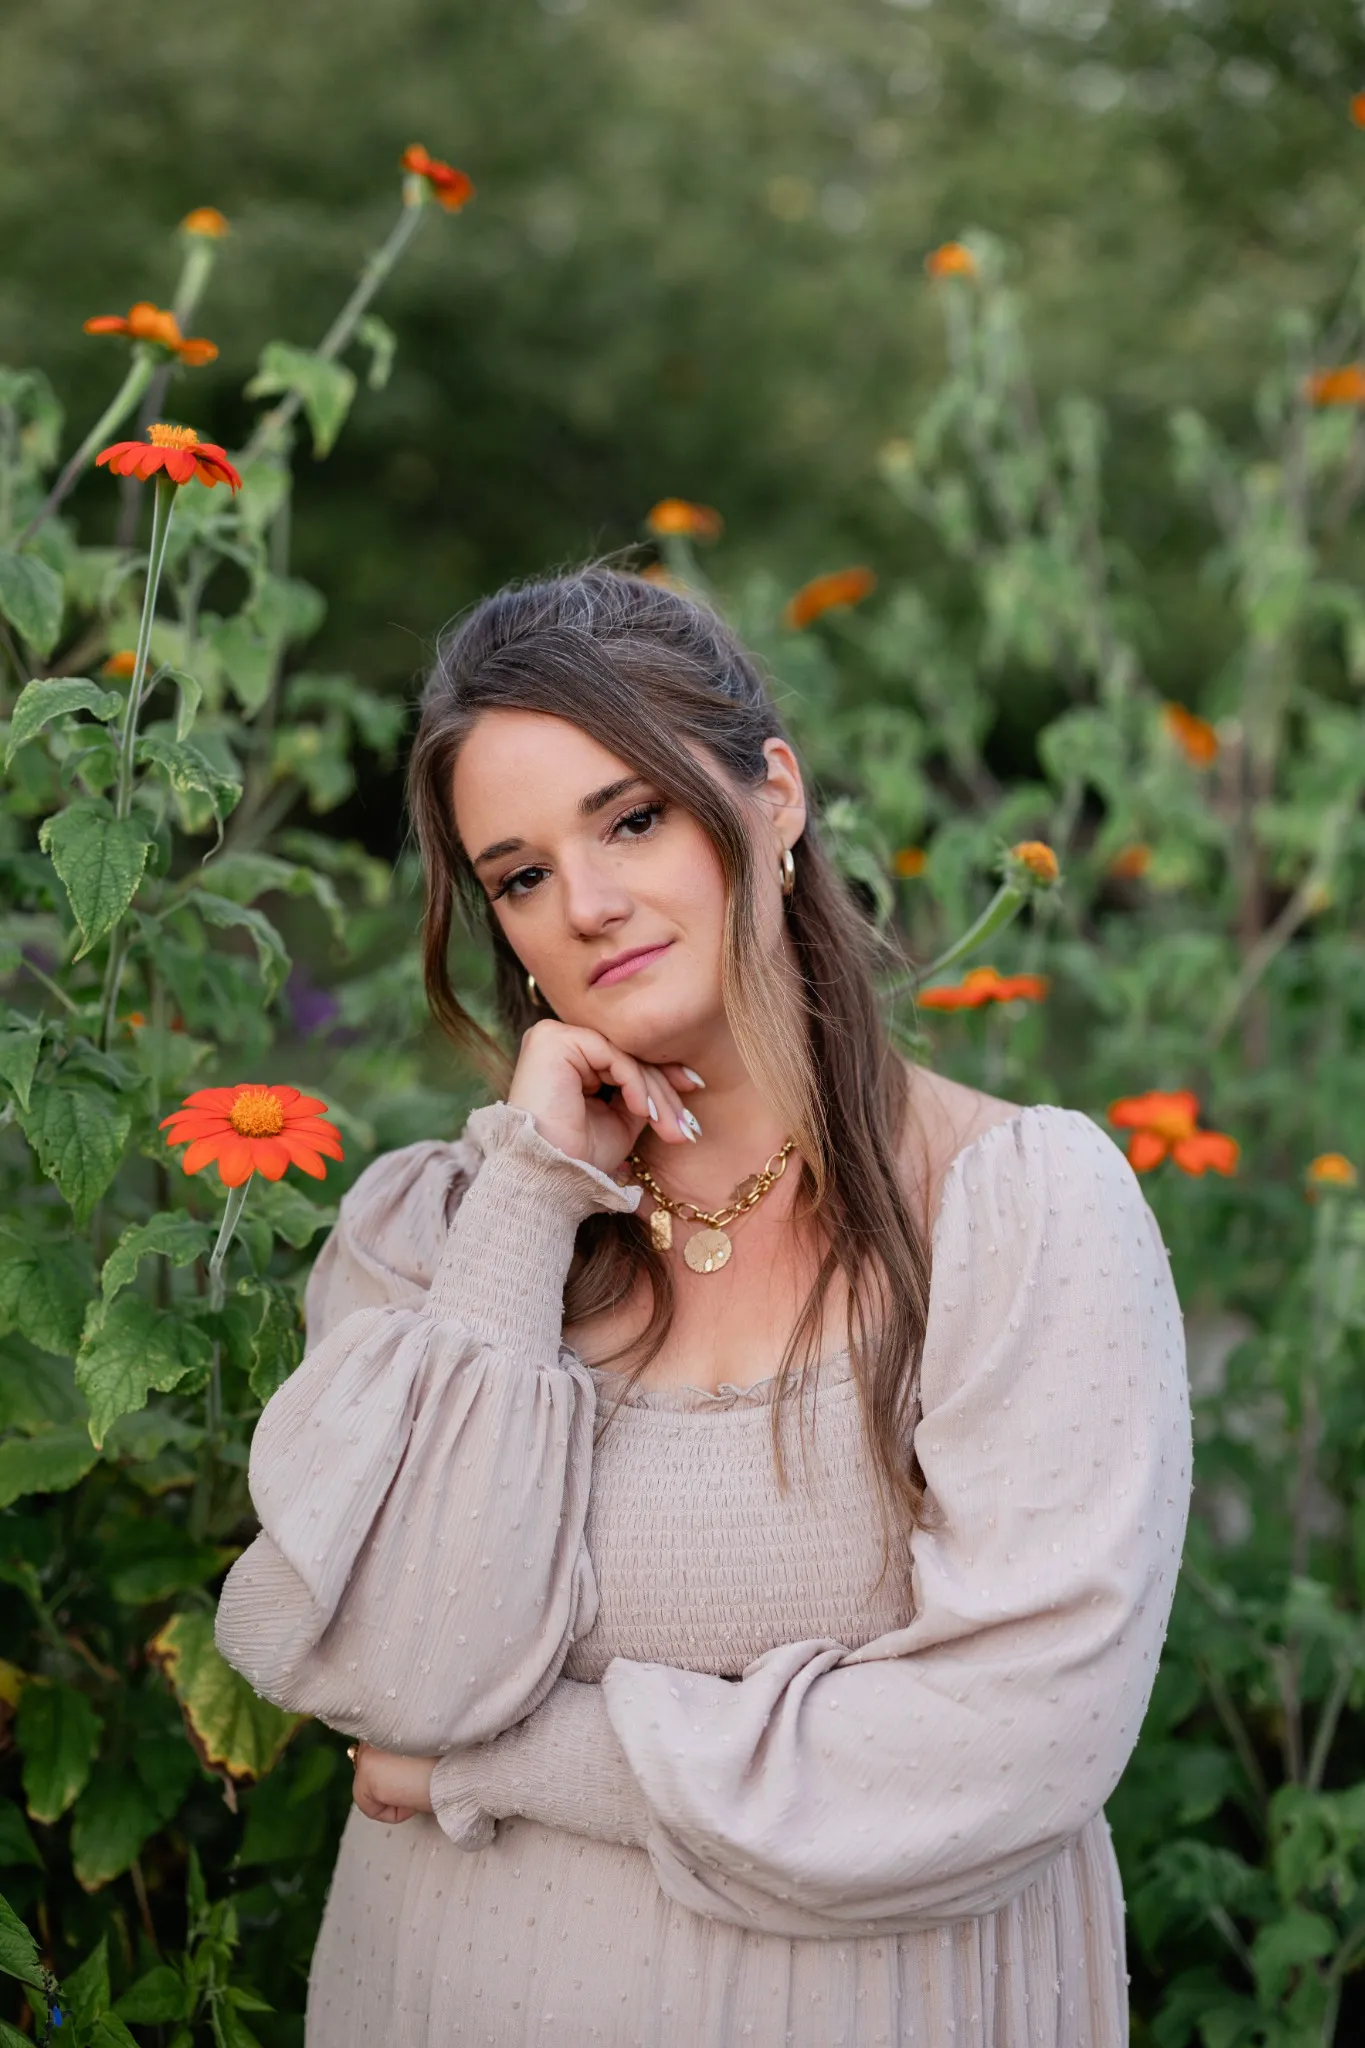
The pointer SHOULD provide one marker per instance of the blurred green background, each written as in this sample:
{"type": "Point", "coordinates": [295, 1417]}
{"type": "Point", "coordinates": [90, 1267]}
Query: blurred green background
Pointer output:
{"type": "Point", "coordinates": [694, 264]}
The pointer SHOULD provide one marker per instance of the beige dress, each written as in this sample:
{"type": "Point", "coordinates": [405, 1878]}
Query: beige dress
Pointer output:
{"type": "Point", "coordinates": [702, 1782]}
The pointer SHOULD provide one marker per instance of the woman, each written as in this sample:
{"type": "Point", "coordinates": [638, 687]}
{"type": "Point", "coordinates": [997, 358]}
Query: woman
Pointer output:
{"type": "Point", "coordinates": [666, 1733]}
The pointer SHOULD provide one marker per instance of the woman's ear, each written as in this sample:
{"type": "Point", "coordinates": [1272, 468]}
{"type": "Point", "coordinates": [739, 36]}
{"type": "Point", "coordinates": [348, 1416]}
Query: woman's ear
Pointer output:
{"type": "Point", "coordinates": [784, 792]}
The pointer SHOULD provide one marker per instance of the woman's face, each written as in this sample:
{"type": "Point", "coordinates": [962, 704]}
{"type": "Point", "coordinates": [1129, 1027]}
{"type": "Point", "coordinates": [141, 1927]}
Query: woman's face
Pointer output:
{"type": "Point", "coordinates": [609, 894]}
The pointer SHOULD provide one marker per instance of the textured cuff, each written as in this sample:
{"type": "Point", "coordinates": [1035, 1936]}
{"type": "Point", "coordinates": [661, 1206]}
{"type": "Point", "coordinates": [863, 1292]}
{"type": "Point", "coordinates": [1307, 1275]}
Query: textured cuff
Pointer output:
{"type": "Point", "coordinates": [507, 1257]}
{"type": "Point", "coordinates": [455, 1798]}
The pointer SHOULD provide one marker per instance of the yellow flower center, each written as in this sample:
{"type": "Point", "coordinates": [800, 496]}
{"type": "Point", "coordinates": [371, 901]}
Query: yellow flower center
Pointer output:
{"type": "Point", "coordinates": [257, 1113]}
{"type": "Point", "coordinates": [173, 437]}
{"type": "Point", "coordinates": [1171, 1124]}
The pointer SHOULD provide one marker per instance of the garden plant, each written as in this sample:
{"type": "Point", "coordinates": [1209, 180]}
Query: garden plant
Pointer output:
{"type": "Point", "coordinates": [1156, 926]}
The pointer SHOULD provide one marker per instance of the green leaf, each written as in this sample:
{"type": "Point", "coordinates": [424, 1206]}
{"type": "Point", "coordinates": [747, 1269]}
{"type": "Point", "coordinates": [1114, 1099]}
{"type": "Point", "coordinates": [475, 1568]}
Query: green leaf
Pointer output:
{"type": "Point", "coordinates": [379, 338]}
{"type": "Point", "coordinates": [110, 2032]}
{"type": "Point", "coordinates": [248, 658]}
{"type": "Point", "coordinates": [136, 1349]}
{"type": "Point", "coordinates": [150, 1560]}
{"type": "Point", "coordinates": [58, 1732]}
{"type": "Point", "coordinates": [78, 1132]}
{"type": "Point", "coordinates": [326, 388]}
{"type": "Point", "coordinates": [44, 1284]}
{"type": "Point", "coordinates": [87, 1987]}
{"type": "Point", "coordinates": [158, 1997]}
{"type": "Point", "coordinates": [19, 1050]}
{"type": "Point", "coordinates": [155, 1999]}
{"type": "Point", "coordinates": [191, 692]}
{"type": "Point", "coordinates": [242, 877]}
{"type": "Point", "coordinates": [289, 1212]}
{"type": "Point", "coordinates": [100, 859]}
{"type": "Point", "coordinates": [235, 1733]}
{"type": "Point", "coordinates": [189, 771]}
{"type": "Point", "coordinates": [50, 697]}
{"type": "Point", "coordinates": [114, 1816]}
{"type": "Point", "coordinates": [271, 956]}
{"type": "Point", "coordinates": [1286, 1946]}
{"type": "Point", "coordinates": [286, 608]}
{"type": "Point", "coordinates": [277, 1342]}
{"type": "Point", "coordinates": [31, 599]}
{"type": "Point", "coordinates": [50, 1461]}
{"type": "Point", "coordinates": [16, 1843]}
{"type": "Point", "coordinates": [171, 1234]}
{"type": "Point", "coordinates": [18, 1950]}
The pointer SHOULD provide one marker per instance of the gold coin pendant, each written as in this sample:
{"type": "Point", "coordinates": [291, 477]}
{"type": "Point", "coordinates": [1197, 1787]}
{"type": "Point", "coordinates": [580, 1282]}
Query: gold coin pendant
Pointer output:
{"type": "Point", "coordinates": [707, 1251]}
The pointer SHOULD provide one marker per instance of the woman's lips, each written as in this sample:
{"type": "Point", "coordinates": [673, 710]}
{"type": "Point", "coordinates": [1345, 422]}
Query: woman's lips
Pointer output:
{"type": "Point", "coordinates": [629, 963]}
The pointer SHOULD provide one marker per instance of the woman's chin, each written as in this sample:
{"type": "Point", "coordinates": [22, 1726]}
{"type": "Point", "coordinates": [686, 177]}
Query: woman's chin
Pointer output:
{"type": "Point", "coordinates": [654, 1029]}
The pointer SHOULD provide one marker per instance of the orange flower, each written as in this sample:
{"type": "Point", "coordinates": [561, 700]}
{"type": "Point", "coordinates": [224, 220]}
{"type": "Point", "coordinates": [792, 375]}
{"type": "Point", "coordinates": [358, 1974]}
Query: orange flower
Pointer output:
{"type": "Point", "coordinates": [1330, 1170]}
{"type": "Point", "coordinates": [656, 573]}
{"type": "Point", "coordinates": [120, 666]}
{"type": "Point", "coordinates": [205, 220]}
{"type": "Point", "coordinates": [823, 593]}
{"type": "Point", "coordinates": [984, 985]}
{"type": "Point", "coordinates": [449, 188]}
{"type": "Point", "coordinates": [950, 259]}
{"type": "Point", "coordinates": [1194, 736]}
{"type": "Point", "coordinates": [1164, 1124]}
{"type": "Point", "coordinates": [177, 450]}
{"type": "Point", "coordinates": [1358, 109]}
{"type": "Point", "coordinates": [678, 516]}
{"type": "Point", "coordinates": [249, 1129]}
{"type": "Point", "coordinates": [1345, 386]}
{"type": "Point", "coordinates": [909, 862]}
{"type": "Point", "coordinates": [146, 322]}
{"type": "Point", "coordinates": [1038, 858]}
{"type": "Point", "coordinates": [1130, 863]}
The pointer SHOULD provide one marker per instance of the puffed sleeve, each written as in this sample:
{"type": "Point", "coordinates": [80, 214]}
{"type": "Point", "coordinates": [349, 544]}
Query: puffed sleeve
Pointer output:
{"type": "Point", "coordinates": [422, 1479]}
{"type": "Point", "coordinates": [933, 1773]}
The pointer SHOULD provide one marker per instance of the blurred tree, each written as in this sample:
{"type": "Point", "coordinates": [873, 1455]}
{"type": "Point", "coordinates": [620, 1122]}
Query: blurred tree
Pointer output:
{"type": "Point", "coordinates": [693, 262]}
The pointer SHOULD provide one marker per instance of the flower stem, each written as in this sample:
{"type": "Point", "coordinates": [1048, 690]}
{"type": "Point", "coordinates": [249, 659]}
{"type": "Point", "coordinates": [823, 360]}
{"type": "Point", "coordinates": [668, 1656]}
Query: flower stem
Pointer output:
{"type": "Point", "coordinates": [140, 372]}
{"type": "Point", "coordinates": [162, 513]}
{"type": "Point", "coordinates": [232, 1213]}
{"type": "Point", "coordinates": [271, 426]}
{"type": "Point", "coordinates": [1001, 911]}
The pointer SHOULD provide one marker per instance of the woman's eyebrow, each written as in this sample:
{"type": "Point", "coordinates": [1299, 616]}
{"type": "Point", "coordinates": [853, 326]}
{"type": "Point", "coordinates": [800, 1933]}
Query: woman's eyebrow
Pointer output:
{"type": "Point", "coordinates": [588, 807]}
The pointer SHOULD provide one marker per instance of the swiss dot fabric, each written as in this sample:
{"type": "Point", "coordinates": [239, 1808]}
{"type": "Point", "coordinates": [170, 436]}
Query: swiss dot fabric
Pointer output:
{"type": "Point", "coordinates": [704, 1779]}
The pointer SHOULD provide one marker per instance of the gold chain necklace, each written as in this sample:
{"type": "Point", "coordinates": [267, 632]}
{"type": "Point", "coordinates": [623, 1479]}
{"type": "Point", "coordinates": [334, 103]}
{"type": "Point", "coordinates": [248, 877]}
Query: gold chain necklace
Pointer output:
{"type": "Point", "coordinates": [706, 1251]}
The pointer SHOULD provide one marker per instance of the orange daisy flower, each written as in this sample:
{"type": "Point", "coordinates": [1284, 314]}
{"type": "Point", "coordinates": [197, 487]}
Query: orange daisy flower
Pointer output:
{"type": "Point", "coordinates": [823, 593]}
{"type": "Point", "coordinates": [1358, 109]}
{"type": "Point", "coordinates": [1345, 386]}
{"type": "Point", "coordinates": [950, 259]}
{"type": "Point", "coordinates": [205, 220]}
{"type": "Point", "coordinates": [909, 862]}
{"type": "Point", "coordinates": [1163, 1124]}
{"type": "Point", "coordinates": [679, 516]}
{"type": "Point", "coordinates": [119, 667]}
{"type": "Point", "coordinates": [1130, 863]}
{"type": "Point", "coordinates": [1194, 736]}
{"type": "Point", "coordinates": [176, 450]}
{"type": "Point", "coordinates": [1330, 1170]}
{"type": "Point", "coordinates": [450, 188]}
{"type": "Point", "coordinates": [146, 322]}
{"type": "Point", "coordinates": [249, 1129]}
{"type": "Point", "coordinates": [984, 985]}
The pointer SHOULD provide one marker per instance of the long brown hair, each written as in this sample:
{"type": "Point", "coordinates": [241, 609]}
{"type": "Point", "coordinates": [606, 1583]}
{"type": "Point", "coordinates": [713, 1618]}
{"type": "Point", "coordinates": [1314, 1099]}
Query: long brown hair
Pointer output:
{"type": "Point", "coordinates": [642, 668]}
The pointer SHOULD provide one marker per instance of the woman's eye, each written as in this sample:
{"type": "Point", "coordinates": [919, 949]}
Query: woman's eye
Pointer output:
{"type": "Point", "coordinates": [635, 824]}
{"type": "Point", "coordinates": [512, 885]}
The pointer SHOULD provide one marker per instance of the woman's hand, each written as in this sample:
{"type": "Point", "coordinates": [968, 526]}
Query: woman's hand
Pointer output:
{"type": "Point", "coordinates": [560, 1070]}
{"type": "Point", "coordinates": [390, 1788]}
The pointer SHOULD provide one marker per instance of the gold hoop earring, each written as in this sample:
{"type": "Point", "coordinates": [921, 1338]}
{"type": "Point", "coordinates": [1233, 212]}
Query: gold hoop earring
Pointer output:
{"type": "Point", "coordinates": [788, 871]}
{"type": "Point", "coordinates": [533, 992]}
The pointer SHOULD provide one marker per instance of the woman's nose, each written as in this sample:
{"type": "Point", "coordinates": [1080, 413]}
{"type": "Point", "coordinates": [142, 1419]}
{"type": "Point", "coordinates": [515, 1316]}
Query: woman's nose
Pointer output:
{"type": "Point", "coordinates": [593, 897]}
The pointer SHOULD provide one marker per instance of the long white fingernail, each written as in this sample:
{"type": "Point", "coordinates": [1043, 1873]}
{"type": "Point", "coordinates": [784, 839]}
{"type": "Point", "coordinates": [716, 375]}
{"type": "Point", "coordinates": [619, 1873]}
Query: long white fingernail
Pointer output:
{"type": "Point", "coordinates": [694, 1078]}
{"type": "Point", "coordinates": [653, 1112]}
{"type": "Point", "coordinates": [685, 1127]}
{"type": "Point", "coordinates": [691, 1122]}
